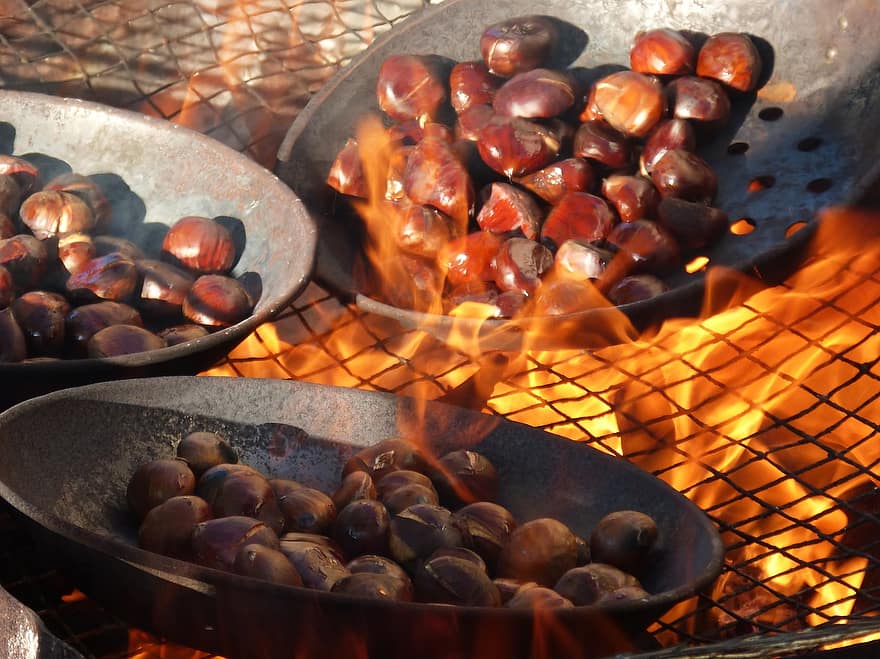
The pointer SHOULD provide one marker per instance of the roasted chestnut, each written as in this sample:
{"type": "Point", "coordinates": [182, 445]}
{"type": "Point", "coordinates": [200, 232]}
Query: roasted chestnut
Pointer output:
{"type": "Point", "coordinates": [106, 244]}
{"type": "Point", "coordinates": [635, 288]}
{"type": "Point", "coordinates": [356, 485]}
{"type": "Point", "coordinates": [699, 99]}
{"type": "Point", "coordinates": [462, 477]}
{"type": "Point", "coordinates": [112, 277]}
{"type": "Point", "coordinates": [578, 216]}
{"type": "Point", "coordinates": [510, 209]}
{"type": "Point", "coordinates": [453, 580]}
{"type": "Point", "coordinates": [471, 258]}
{"type": "Point", "coordinates": [201, 244]}
{"type": "Point", "coordinates": [517, 44]}
{"type": "Point", "coordinates": [248, 493]}
{"type": "Point", "coordinates": [405, 496]}
{"type": "Point", "coordinates": [579, 259]}
{"type": "Point", "coordinates": [157, 481]}
{"type": "Point", "coordinates": [411, 87]}
{"type": "Point", "coordinates": [84, 322]}
{"type": "Point", "coordinates": [553, 181]}
{"type": "Point", "coordinates": [420, 530]}
{"type": "Point", "coordinates": [422, 230]}
{"type": "Point", "coordinates": [662, 52]}
{"type": "Point", "coordinates": [182, 333]}
{"type": "Point", "coordinates": [630, 102]}
{"type": "Point", "coordinates": [163, 287]}
{"type": "Point", "coordinates": [217, 301]}
{"type": "Point", "coordinates": [730, 58]}
{"type": "Point", "coordinates": [384, 457]}
{"type": "Point", "coordinates": [211, 481]}
{"type": "Point", "coordinates": [216, 542]}
{"type": "Point", "coordinates": [90, 192]}
{"type": "Point", "coordinates": [535, 94]}
{"type": "Point", "coordinates": [7, 226]}
{"type": "Point", "coordinates": [519, 265]}
{"type": "Point", "coordinates": [624, 539]}
{"type": "Point", "coordinates": [25, 258]}
{"type": "Point", "coordinates": [682, 174]}
{"type": "Point", "coordinates": [564, 296]}
{"type": "Point", "coordinates": [41, 314]}
{"type": "Point", "coordinates": [514, 146]}
{"type": "Point", "coordinates": [202, 450]}
{"type": "Point", "coordinates": [374, 564]}
{"type": "Point", "coordinates": [472, 84]}
{"type": "Point", "coordinates": [541, 550]}
{"type": "Point", "coordinates": [624, 594]}
{"type": "Point", "coordinates": [167, 528]}
{"type": "Point", "coordinates": [307, 509]}
{"type": "Point", "coordinates": [435, 176]}
{"type": "Point", "coordinates": [362, 528]}
{"type": "Point", "coordinates": [75, 250]}
{"type": "Point", "coordinates": [666, 135]}
{"type": "Point", "coordinates": [25, 174]}
{"type": "Point", "coordinates": [50, 213]}
{"type": "Point", "coordinates": [374, 586]}
{"type": "Point", "coordinates": [122, 340]}
{"type": "Point", "coordinates": [319, 565]}
{"type": "Point", "coordinates": [346, 173]}
{"type": "Point", "coordinates": [537, 597]}
{"type": "Point", "coordinates": [267, 564]}
{"type": "Point", "coordinates": [634, 197]}
{"type": "Point", "coordinates": [692, 223]}
{"type": "Point", "coordinates": [587, 584]}
{"type": "Point", "coordinates": [402, 477]}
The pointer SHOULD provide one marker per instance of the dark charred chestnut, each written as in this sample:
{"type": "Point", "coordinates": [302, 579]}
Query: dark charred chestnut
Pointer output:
{"type": "Point", "coordinates": [510, 209]}
{"type": "Point", "coordinates": [396, 479]}
{"type": "Point", "coordinates": [435, 176]}
{"type": "Point", "coordinates": [374, 587]}
{"type": "Point", "coordinates": [319, 566]}
{"type": "Point", "coordinates": [216, 542]}
{"type": "Point", "coordinates": [248, 493]}
{"type": "Point", "coordinates": [113, 277]}
{"type": "Point", "coordinates": [202, 450]}
{"type": "Point", "coordinates": [405, 496]}
{"type": "Point", "coordinates": [636, 288]}
{"type": "Point", "coordinates": [355, 486]}
{"type": "Point", "coordinates": [25, 174]}
{"type": "Point", "coordinates": [730, 58]}
{"type": "Point", "coordinates": [87, 190]}
{"type": "Point", "coordinates": [578, 216]}
{"type": "Point", "coordinates": [347, 173]}
{"type": "Point", "coordinates": [472, 84]}
{"type": "Point", "coordinates": [535, 94]}
{"type": "Point", "coordinates": [541, 550]}
{"type": "Point", "coordinates": [587, 584]}
{"type": "Point", "coordinates": [485, 528]}
{"type": "Point", "coordinates": [634, 197]}
{"type": "Point", "coordinates": [411, 87]}
{"type": "Point", "coordinates": [362, 528]}
{"type": "Point", "coordinates": [564, 296]}
{"type": "Point", "coordinates": [624, 539]}
{"type": "Point", "coordinates": [579, 259]}
{"type": "Point", "coordinates": [157, 481]}
{"type": "Point", "coordinates": [420, 530]}
{"type": "Point", "coordinates": [630, 102]}
{"type": "Point", "coordinates": [464, 476]}
{"type": "Point", "coordinates": [596, 140]}
{"type": "Point", "coordinates": [684, 175]}
{"type": "Point", "coordinates": [266, 564]}
{"type": "Point", "coordinates": [667, 135]}
{"type": "Point", "coordinates": [106, 244]}
{"type": "Point", "coordinates": [692, 223]}
{"type": "Point", "coordinates": [513, 146]}
{"type": "Point", "coordinates": [520, 264]}
{"type": "Point", "coordinates": [48, 214]}
{"type": "Point", "coordinates": [462, 553]}
{"type": "Point", "coordinates": [624, 594]}
{"type": "Point", "coordinates": [25, 258]}
{"type": "Point", "coordinates": [374, 564]}
{"type": "Point", "coordinates": [538, 597]}
{"type": "Point", "coordinates": [163, 287]}
{"type": "Point", "coordinates": [75, 250]}
{"type": "Point", "coordinates": [453, 580]}
{"type": "Point", "coordinates": [201, 244]}
{"type": "Point", "coordinates": [83, 322]}
{"type": "Point", "coordinates": [517, 44]}
{"type": "Point", "coordinates": [7, 288]}
{"type": "Point", "coordinates": [10, 196]}
{"type": "Point", "coordinates": [12, 343]}
{"type": "Point", "coordinates": [119, 340]}
{"type": "Point", "coordinates": [217, 301]}
{"type": "Point", "coordinates": [662, 52]}
{"type": "Point", "coordinates": [307, 510]}
{"type": "Point", "coordinates": [167, 528]}
{"type": "Point", "coordinates": [384, 457]}
{"type": "Point", "coordinates": [552, 182]}
{"type": "Point", "coordinates": [41, 314]}
{"type": "Point", "coordinates": [471, 258]}
{"type": "Point", "coordinates": [699, 99]}
{"type": "Point", "coordinates": [423, 230]}
{"type": "Point", "coordinates": [182, 333]}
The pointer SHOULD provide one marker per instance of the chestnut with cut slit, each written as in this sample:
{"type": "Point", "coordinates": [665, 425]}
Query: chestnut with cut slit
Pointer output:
{"type": "Point", "coordinates": [201, 244]}
{"type": "Point", "coordinates": [217, 301]}
{"type": "Point", "coordinates": [517, 44]}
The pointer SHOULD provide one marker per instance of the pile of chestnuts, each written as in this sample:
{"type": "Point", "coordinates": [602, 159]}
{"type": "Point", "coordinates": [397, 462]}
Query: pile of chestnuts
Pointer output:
{"type": "Point", "coordinates": [514, 185]}
{"type": "Point", "coordinates": [70, 289]}
{"type": "Point", "coordinates": [399, 527]}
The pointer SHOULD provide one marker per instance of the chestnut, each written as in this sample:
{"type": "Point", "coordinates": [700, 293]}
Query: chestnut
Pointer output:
{"type": "Point", "coordinates": [386, 456]}
{"type": "Point", "coordinates": [535, 94]}
{"type": "Point", "coordinates": [682, 174]}
{"type": "Point", "coordinates": [167, 528]}
{"type": "Point", "coordinates": [564, 296]}
{"type": "Point", "coordinates": [471, 258]}
{"type": "Point", "coordinates": [307, 509]}
{"type": "Point", "coordinates": [510, 209]}
{"type": "Point", "coordinates": [666, 135]}
{"type": "Point", "coordinates": [405, 496]}
{"type": "Point", "coordinates": [435, 176]}
{"type": "Point", "coordinates": [472, 121]}
{"type": "Point", "coordinates": [465, 476]}
{"type": "Point", "coordinates": [355, 486]}
{"type": "Point", "coordinates": [119, 340]}
{"type": "Point", "coordinates": [211, 481]}
{"type": "Point", "coordinates": [7, 226]}
{"type": "Point", "coordinates": [514, 146]}
{"type": "Point", "coordinates": [624, 594]}
{"type": "Point", "coordinates": [216, 542]}
{"type": "Point", "coordinates": [538, 597]}
{"type": "Point", "coordinates": [587, 584]}
{"type": "Point", "coordinates": [374, 564]}
{"type": "Point", "coordinates": [520, 264]}
{"type": "Point", "coordinates": [453, 580]}
{"type": "Point", "coordinates": [217, 301]}
{"type": "Point", "coordinates": [83, 322]}
{"type": "Point", "coordinates": [50, 213]}
{"type": "Point", "coordinates": [292, 537]}
{"type": "Point", "coordinates": [411, 87]}
{"type": "Point", "coordinates": [692, 223]}
{"type": "Point", "coordinates": [699, 99]}
{"type": "Point", "coordinates": [346, 173]}
{"type": "Point", "coordinates": [182, 333]}
{"type": "Point", "coordinates": [157, 481]}
{"type": "Point", "coordinates": [12, 342]}
{"type": "Point", "coordinates": [462, 553]}
{"type": "Point", "coordinates": [517, 44]}
{"type": "Point", "coordinates": [420, 530]}
{"type": "Point", "coordinates": [374, 586]}
{"type": "Point", "coordinates": [645, 244]}
{"type": "Point", "coordinates": [625, 540]}
{"type": "Point", "coordinates": [200, 244]}
{"type": "Point", "coordinates": [112, 277]}
{"type": "Point", "coordinates": [41, 314]}
{"type": "Point", "coordinates": [26, 259]}
{"type": "Point", "coordinates": [266, 564]}
{"type": "Point", "coordinates": [630, 102]}
{"type": "Point", "coordinates": [634, 197]}
{"type": "Point", "coordinates": [75, 250]}
{"type": "Point", "coordinates": [583, 549]}
{"type": "Point", "coordinates": [507, 588]}
{"type": "Point", "coordinates": [485, 528]}
{"type": "Point", "coordinates": [248, 493]}
{"type": "Point", "coordinates": [90, 192]}
{"type": "Point", "coordinates": [7, 288]}
{"type": "Point", "coordinates": [553, 181]}
{"type": "Point", "coordinates": [394, 480]}
{"type": "Point", "coordinates": [596, 140]}
{"type": "Point", "coordinates": [10, 196]}
{"type": "Point", "coordinates": [540, 550]}
{"type": "Point", "coordinates": [636, 288]}
{"type": "Point", "coordinates": [662, 52]}
{"type": "Point", "coordinates": [362, 528]}
{"type": "Point", "coordinates": [283, 486]}
{"type": "Point", "coordinates": [472, 84]}
{"type": "Point", "coordinates": [106, 244]}
{"type": "Point", "coordinates": [578, 216]}
{"type": "Point", "coordinates": [202, 450]}
{"type": "Point", "coordinates": [25, 174]}
{"type": "Point", "coordinates": [319, 566]}
{"type": "Point", "coordinates": [423, 230]}
{"type": "Point", "coordinates": [579, 259]}
{"type": "Point", "coordinates": [730, 58]}
{"type": "Point", "coordinates": [163, 287]}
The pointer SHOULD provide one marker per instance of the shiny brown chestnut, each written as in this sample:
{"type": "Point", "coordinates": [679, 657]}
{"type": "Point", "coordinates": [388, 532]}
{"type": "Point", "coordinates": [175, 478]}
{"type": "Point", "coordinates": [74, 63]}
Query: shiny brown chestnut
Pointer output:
{"type": "Point", "coordinates": [374, 587]}
{"type": "Point", "coordinates": [463, 476]}
{"type": "Point", "coordinates": [167, 528]}
{"type": "Point", "coordinates": [636, 288]}
{"type": "Point", "coordinates": [578, 216]}
{"type": "Point", "coordinates": [396, 479]}
{"type": "Point", "coordinates": [596, 140]}
{"type": "Point", "coordinates": [422, 230]}
{"type": "Point", "coordinates": [517, 44]}
{"type": "Point", "coordinates": [685, 175]}
{"type": "Point", "coordinates": [698, 99]}
{"type": "Point", "coordinates": [163, 287]}
{"type": "Point", "coordinates": [411, 87]}
{"type": "Point", "coordinates": [692, 223]}
{"type": "Point", "coordinates": [347, 173]}
{"type": "Point", "coordinates": [355, 486]}
{"type": "Point", "coordinates": [471, 258]}
{"type": "Point", "coordinates": [211, 481]}
{"type": "Point", "coordinates": [113, 277]}
{"type": "Point", "coordinates": [668, 134]}
{"type": "Point", "coordinates": [26, 259]}
{"type": "Point", "coordinates": [51, 213]}
{"type": "Point", "coordinates": [538, 597]}
{"type": "Point", "coordinates": [630, 102]}
{"type": "Point", "coordinates": [119, 340]}
{"type": "Point", "coordinates": [216, 542]}
{"type": "Point", "coordinates": [624, 594]}
{"type": "Point", "coordinates": [579, 259]}
{"type": "Point", "coordinates": [510, 209]}
{"type": "Point", "coordinates": [435, 176]}
{"type": "Point", "coordinates": [307, 510]}
{"type": "Point", "coordinates": [535, 94]}
{"type": "Point", "coordinates": [730, 58]}
{"type": "Point", "coordinates": [7, 288]}
{"type": "Point", "coordinates": [624, 539]}
{"type": "Point", "coordinates": [375, 564]}
{"type": "Point", "coordinates": [267, 564]}
{"type": "Point", "coordinates": [182, 333]}
{"type": "Point", "coordinates": [157, 481]}
{"type": "Point", "coordinates": [386, 456]}
{"type": "Point", "coordinates": [634, 197]}
{"type": "Point", "coordinates": [472, 121]}
{"type": "Point", "coordinates": [75, 250]}
{"type": "Point", "coordinates": [25, 174]}
{"type": "Point", "coordinates": [408, 495]}
{"type": "Point", "coordinates": [553, 181]}
{"type": "Point", "coordinates": [462, 553]}
{"type": "Point", "coordinates": [587, 584]}
{"type": "Point", "coordinates": [519, 265]}
{"type": "Point", "coordinates": [248, 493]}
{"type": "Point", "coordinates": [319, 566]}
{"type": "Point", "coordinates": [362, 527]}
{"type": "Point", "coordinates": [514, 146]}
{"type": "Point", "coordinates": [485, 528]}
{"type": "Point", "coordinates": [203, 449]}
{"type": "Point", "coordinates": [646, 244]}
{"type": "Point", "coordinates": [201, 244]}
{"type": "Point", "coordinates": [12, 343]}
{"type": "Point", "coordinates": [89, 191]}
{"type": "Point", "coordinates": [662, 52]}
{"type": "Point", "coordinates": [472, 84]}
{"type": "Point", "coordinates": [420, 530]}
{"type": "Point", "coordinates": [84, 321]}
{"type": "Point", "coordinates": [217, 301]}
{"type": "Point", "coordinates": [453, 580]}
{"type": "Point", "coordinates": [41, 314]}
{"type": "Point", "coordinates": [541, 550]}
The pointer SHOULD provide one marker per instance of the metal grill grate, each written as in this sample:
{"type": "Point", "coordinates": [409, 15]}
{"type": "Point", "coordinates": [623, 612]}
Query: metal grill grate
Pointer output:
{"type": "Point", "coordinates": [789, 477]}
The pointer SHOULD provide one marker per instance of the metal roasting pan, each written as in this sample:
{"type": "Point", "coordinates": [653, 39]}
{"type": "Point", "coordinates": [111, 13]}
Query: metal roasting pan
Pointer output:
{"type": "Point", "coordinates": [155, 172]}
{"type": "Point", "coordinates": [66, 458]}
{"type": "Point", "coordinates": [812, 127]}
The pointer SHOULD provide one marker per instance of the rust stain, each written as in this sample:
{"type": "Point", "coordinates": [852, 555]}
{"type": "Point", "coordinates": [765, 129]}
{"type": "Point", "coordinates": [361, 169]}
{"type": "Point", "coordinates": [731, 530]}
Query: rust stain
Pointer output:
{"type": "Point", "coordinates": [778, 92]}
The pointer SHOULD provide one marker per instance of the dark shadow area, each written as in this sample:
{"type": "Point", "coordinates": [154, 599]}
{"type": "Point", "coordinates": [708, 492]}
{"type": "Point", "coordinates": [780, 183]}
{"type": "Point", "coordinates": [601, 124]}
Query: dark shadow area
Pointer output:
{"type": "Point", "coordinates": [570, 43]}
{"type": "Point", "coordinates": [253, 284]}
{"type": "Point", "coordinates": [237, 230]}
{"type": "Point", "coordinates": [7, 137]}
{"type": "Point", "coordinates": [49, 166]}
